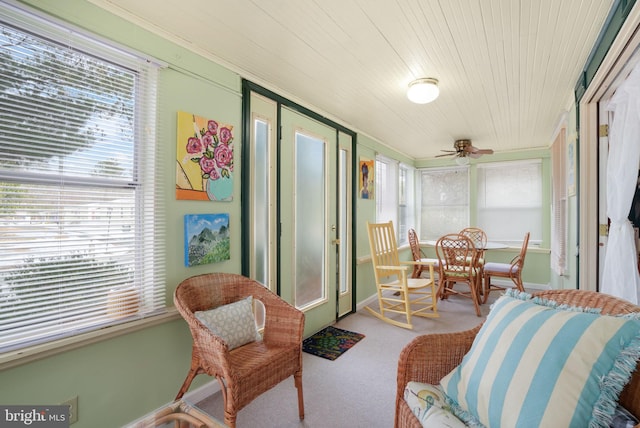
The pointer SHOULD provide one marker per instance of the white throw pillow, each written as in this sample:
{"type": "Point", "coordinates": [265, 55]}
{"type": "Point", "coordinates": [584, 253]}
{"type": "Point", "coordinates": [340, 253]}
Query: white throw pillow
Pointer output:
{"type": "Point", "coordinates": [235, 323]}
{"type": "Point", "coordinates": [537, 364]}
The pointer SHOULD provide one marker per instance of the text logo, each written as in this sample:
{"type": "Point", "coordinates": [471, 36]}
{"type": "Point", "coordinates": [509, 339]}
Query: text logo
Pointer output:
{"type": "Point", "coordinates": [34, 416]}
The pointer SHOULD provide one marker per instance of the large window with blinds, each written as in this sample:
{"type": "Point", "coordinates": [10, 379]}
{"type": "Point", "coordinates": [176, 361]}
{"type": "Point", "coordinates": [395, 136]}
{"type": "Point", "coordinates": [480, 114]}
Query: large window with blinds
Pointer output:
{"type": "Point", "coordinates": [81, 227]}
{"type": "Point", "coordinates": [510, 200]}
{"type": "Point", "coordinates": [444, 201]}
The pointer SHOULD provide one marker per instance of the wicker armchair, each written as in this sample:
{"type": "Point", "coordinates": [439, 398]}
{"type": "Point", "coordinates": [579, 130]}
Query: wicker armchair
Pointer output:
{"type": "Point", "coordinates": [247, 371]}
{"type": "Point", "coordinates": [430, 357]}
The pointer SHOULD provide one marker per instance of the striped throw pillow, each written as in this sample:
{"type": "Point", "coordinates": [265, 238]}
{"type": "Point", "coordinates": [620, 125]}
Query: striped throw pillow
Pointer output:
{"type": "Point", "coordinates": [536, 364]}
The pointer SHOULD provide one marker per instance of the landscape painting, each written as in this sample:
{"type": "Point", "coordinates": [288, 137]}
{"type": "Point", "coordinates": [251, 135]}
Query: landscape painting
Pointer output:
{"type": "Point", "coordinates": [207, 239]}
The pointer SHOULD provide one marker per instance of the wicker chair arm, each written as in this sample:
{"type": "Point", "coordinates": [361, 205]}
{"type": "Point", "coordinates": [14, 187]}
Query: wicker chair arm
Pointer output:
{"type": "Point", "coordinates": [430, 357]}
{"type": "Point", "coordinates": [283, 323]}
{"type": "Point", "coordinates": [515, 262]}
{"type": "Point", "coordinates": [212, 349]}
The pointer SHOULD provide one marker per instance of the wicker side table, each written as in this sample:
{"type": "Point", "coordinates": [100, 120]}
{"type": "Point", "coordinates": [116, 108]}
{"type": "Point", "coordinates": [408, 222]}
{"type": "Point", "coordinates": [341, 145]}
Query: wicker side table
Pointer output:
{"type": "Point", "coordinates": [178, 414]}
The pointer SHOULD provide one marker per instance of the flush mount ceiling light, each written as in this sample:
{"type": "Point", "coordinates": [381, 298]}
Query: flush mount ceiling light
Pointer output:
{"type": "Point", "coordinates": [423, 91]}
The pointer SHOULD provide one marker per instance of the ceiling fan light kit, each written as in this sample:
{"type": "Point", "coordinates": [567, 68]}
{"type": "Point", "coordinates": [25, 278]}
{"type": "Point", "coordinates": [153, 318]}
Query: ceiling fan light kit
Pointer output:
{"type": "Point", "coordinates": [462, 160]}
{"type": "Point", "coordinates": [423, 91]}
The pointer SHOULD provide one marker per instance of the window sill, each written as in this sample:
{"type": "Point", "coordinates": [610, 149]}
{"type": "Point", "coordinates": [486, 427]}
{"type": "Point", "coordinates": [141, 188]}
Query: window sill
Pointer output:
{"type": "Point", "coordinates": [26, 355]}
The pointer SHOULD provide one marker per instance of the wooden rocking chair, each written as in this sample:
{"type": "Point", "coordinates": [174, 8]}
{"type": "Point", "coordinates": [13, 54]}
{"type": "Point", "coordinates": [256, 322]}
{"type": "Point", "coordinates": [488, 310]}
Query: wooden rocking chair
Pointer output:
{"type": "Point", "coordinates": [397, 293]}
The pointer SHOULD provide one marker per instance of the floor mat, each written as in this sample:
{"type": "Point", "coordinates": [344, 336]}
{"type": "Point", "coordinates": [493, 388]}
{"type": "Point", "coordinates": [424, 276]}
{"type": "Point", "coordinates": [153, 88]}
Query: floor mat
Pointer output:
{"type": "Point", "coordinates": [330, 342]}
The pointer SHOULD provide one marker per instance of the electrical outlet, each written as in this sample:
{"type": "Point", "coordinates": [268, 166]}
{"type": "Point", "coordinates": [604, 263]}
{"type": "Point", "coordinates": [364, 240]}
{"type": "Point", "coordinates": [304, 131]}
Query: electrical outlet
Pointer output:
{"type": "Point", "coordinates": [73, 409]}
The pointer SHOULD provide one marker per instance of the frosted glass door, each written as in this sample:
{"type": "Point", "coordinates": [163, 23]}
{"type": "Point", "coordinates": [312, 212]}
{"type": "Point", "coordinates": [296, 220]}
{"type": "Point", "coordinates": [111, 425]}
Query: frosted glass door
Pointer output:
{"type": "Point", "coordinates": [308, 218]}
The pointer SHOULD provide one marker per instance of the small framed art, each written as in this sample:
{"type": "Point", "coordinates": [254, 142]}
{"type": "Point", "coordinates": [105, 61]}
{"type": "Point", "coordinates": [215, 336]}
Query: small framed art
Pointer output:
{"type": "Point", "coordinates": [206, 239]}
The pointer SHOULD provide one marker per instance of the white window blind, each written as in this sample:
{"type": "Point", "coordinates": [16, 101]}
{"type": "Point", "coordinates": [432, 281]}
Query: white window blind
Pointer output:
{"type": "Point", "coordinates": [510, 200]}
{"type": "Point", "coordinates": [406, 208]}
{"type": "Point", "coordinates": [444, 201]}
{"type": "Point", "coordinates": [394, 195]}
{"type": "Point", "coordinates": [559, 204]}
{"type": "Point", "coordinates": [81, 223]}
{"type": "Point", "coordinates": [386, 190]}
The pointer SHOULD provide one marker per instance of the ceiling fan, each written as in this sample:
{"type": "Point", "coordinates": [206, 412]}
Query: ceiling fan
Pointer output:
{"type": "Point", "coordinates": [464, 148]}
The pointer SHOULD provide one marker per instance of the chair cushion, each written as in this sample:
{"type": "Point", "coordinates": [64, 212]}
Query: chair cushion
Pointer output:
{"type": "Point", "coordinates": [427, 402]}
{"type": "Point", "coordinates": [499, 267]}
{"type": "Point", "coordinates": [235, 322]}
{"type": "Point", "coordinates": [534, 363]}
{"type": "Point", "coordinates": [435, 262]}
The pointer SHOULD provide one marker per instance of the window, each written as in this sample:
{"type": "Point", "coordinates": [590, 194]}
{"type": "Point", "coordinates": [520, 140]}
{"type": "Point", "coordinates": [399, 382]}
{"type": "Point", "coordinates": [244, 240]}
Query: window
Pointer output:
{"type": "Point", "coordinates": [80, 220]}
{"type": "Point", "coordinates": [406, 214]}
{"type": "Point", "coordinates": [386, 190]}
{"type": "Point", "coordinates": [444, 201]}
{"type": "Point", "coordinates": [394, 196]}
{"type": "Point", "coordinates": [559, 203]}
{"type": "Point", "coordinates": [508, 191]}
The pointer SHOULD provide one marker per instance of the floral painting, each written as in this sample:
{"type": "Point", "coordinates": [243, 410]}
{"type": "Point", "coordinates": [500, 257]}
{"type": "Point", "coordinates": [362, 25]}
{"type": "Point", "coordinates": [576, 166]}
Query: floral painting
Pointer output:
{"type": "Point", "coordinates": [206, 239]}
{"type": "Point", "coordinates": [204, 169]}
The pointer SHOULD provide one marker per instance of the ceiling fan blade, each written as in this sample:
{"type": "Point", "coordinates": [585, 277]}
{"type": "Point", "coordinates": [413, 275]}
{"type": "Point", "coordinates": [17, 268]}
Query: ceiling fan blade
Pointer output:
{"type": "Point", "coordinates": [476, 150]}
{"type": "Point", "coordinates": [445, 154]}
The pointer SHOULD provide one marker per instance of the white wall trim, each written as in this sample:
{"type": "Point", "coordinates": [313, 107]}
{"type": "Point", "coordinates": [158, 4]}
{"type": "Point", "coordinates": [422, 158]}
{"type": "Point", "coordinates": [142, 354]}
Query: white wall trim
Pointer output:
{"type": "Point", "coordinates": [206, 390]}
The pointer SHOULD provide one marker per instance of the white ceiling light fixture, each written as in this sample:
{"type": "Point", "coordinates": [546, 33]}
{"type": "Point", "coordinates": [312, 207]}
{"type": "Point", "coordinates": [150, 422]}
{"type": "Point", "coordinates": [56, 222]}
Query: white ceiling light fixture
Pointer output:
{"type": "Point", "coordinates": [462, 160]}
{"type": "Point", "coordinates": [423, 91]}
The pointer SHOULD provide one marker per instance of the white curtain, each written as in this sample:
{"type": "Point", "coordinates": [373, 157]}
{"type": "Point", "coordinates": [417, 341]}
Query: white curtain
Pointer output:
{"type": "Point", "coordinates": [620, 277]}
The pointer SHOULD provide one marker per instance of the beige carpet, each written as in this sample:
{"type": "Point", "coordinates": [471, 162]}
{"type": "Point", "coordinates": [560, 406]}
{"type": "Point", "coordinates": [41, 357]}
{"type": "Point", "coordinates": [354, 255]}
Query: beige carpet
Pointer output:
{"type": "Point", "coordinates": [358, 388]}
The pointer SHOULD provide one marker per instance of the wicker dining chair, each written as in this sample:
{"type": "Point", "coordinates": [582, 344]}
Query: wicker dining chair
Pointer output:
{"type": "Point", "coordinates": [249, 370]}
{"type": "Point", "coordinates": [457, 260]}
{"type": "Point", "coordinates": [419, 256]}
{"type": "Point", "coordinates": [512, 271]}
{"type": "Point", "coordinates": [478, 237]}
{"type": "Point", "coordinates": [430, 357]}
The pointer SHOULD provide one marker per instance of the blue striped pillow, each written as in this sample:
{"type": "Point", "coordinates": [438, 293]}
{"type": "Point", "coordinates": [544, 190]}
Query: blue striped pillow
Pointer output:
{"type": "Point", "coordinates": [533, 365]}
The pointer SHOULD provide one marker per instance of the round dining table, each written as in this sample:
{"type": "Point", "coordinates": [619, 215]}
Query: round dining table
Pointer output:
{"type": "Point", "coordinates": [491, 245]}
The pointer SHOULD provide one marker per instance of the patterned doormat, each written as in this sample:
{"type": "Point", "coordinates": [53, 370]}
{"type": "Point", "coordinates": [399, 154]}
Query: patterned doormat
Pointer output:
{"type": "Point", "coordinates": [330, 342]}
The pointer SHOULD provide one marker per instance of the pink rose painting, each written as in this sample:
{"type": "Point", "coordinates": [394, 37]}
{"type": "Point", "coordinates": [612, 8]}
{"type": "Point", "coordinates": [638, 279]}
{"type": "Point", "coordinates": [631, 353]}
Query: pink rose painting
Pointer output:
{"type": "Point", "coordinates": [204, 169]}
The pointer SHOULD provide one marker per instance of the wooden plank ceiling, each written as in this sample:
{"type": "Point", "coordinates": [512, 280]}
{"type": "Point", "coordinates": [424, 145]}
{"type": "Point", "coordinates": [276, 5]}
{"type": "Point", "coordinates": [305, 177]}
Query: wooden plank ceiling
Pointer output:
{"type": "Point", "coordinates": [507, 68]}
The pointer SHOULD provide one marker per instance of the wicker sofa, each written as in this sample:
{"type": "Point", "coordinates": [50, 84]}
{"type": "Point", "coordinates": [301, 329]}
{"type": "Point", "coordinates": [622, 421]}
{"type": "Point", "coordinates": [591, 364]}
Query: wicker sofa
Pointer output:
{"type": "Point", "coordinates": [429, 358]}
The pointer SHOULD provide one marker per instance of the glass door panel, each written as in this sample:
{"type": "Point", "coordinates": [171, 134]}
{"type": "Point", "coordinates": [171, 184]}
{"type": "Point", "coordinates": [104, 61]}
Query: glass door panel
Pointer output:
{"type": "Point", "coordinates": [310, 196]}
{"type": "Point", "coordinates": [345, 294]}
